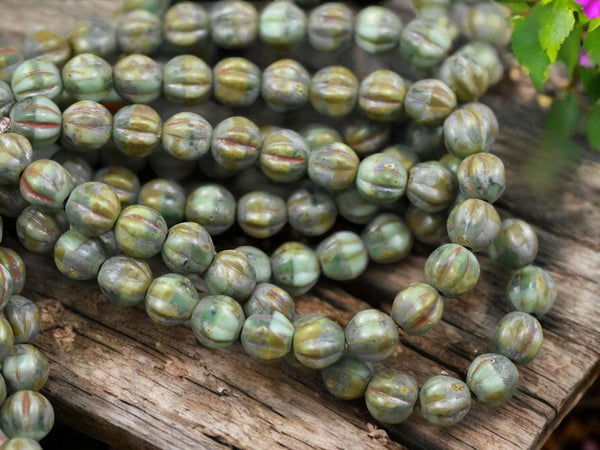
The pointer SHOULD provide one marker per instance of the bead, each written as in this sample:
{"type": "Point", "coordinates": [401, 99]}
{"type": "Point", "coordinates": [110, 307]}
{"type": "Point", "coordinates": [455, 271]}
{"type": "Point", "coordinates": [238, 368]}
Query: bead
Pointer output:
{"type": "Point", "coordinates": [15, 265]}
{"type": "Point", "coordinates": [209, 167]}
{"type": "Point", "coordinates": [26, 414]}
{"type": "Point", "coordinates": [261, 214]}
{"type": "Point", "coordinates": [444, 400]}
{"type": "Point", "coordinates": [6, 286]}
{"type": "Point", "coordinates": [266, 337]}
{"type": "Point", "coordinates": [21, 444]}
{"type": "Point", "coordinates": [343, 256]}
{"type": "Point", "coordinates": [485, 113]}
{"type": "Point", "coordinates": [366, 137]}
{"type": "Point", "coordinates": [387, 238]}
{"type": "Point", "coordinates": [165, 196]}
{"type": "Point", "coordinates": [431, 186]}
{"type": "Point", "coordinates": [354, 207]}
{"type": "Point", "coordinates": [295, 267]}
{"type": "Point", "coordinates": [466, 133]}
{"type": "Point", "coordinates": [157, 7]}
{"type": "Point", "coordinates": [93, 208]}
{"type": "Point", "coordinates": [87, 77]}
{"type": "Point", "coordinates": [230, 273]}
{"type": "Point", "coordinates": [217, 321]}
{"type": "Point", "coordinates": [94, 35]}
{"type": "Point", "coordinates": [317, 136]}
{"type": "Point", "coordinates": [267, 298]}
{"type": "Point", "coordinates": [138, 79]}
{"type": "Point", "coordinates": [36, 77]}
{"type": "Point", "coordinates": [311, 210]}
{"type": "Point", "coordinates": [171, 299]}
{"type": "Point", "coordinates": [234, 24]}
{"type": "Point", "coordinates": [24, 318]}
{"type": "Point", "coordinates": [372, 335]}
{"type": "Point", "coordinates": [124, 182]}
{"type": "Point", "coordinates": [111, 156]}
{"type": "Point", "coordinates": [425, 141]}
{"type": "Point", "coordinates": [187, 80]}
{"type": "Point", "coordinates": [139, 31]}
{"type": "Point", "coordinates": [10, 58]}
{"type": "Point", "coordinates": [140, 231]}
{"type": "Point", "coordinates": [429, 101]}
{"type": "Point", "coordinates": [381, 178]}
{"type": "Point", "coordinates": [47, 45]}
{"type": "Point", "coordinates": [212, 206]}
{"type": "Point", "coordinates": [77, 256]}
{"type": "Point", "coordinates": [330, 27]}
{"type": "Point", "coordinates": [488, 23]}
{"type": "Point", "coordinates": [7, 338]}
{"type": "Point", "coordinates": [391, 396]}
{"type": "Point", "coordinates": [318, 341]}
{"type": "Point", "coordinates": [38, 119]}
{"type": "Point", "coordinates": [86, 126]}
{"type": "Point", "coordinates": [124, 280]}
{"type": "Point", "coordinates": [187, 27]}
{"type": "Point", "coordinates": [333, 166]}
{"type": "Point", "coordinates": [237, 82]}
{"type": "Point", "coordinates": [236, 143]}
{"type": "Point", "coordinates": [285, 85]}
{"type": "Point", "coordinates": [482, 176]}
{"type": "Point", "coordinates": [417, 308]}
{"type": "Point", "coordinates": [381, 95]}
{"type": "Point", "coordinates": [38, 231]}
{"type": "Point", "coordinates": [137, 130]}
{"type": "Point", "coordinates": [333, 91]}
{"type": "Point", "coordinates": [7, 99]}
{"type": "Point", "coordinates": [15, 155]}
{"type": "Point", "coordinates": [474, 224]}
{"type": "Point", "coordinates": [282, 24]}
{"type": "Point", "coordinates": [403, 153]}
{"type": "Point", "coordinates": [259, 260]}
{"type": "Point", "coordinates": [515, 246]}
{"type": "Point", "coordinates": [284, 156]}
{"type": "Point", "coordinates": [347, 379]}
{"type": "Point", "coordinates": [377, 29]}
{"type": "Point", "coordinates": [166, 165]}
{"type": "Point", "coordinates": [532, 290]}
{"type": "Point", "coordinates": [188, 249]}
{"type": "Point", "coordinates": [488, 57]}
{"type": "Point", "coordinates": [493, 379]}
{"type": "Point", "coordinates": [465, 75]}
{"type": "Point", "coordinates": [519, 337]}
{"type": "Point", "coordinates": [452, 269]}
{"type": "Point", "coordinates": [451, 162]}
{"type": "Point", "coordinates": [11, 202]}
{"type": "Point", "coordinates": [25, 368]}
{"type": "Point", "coordinates": [109, 242]}
{"type": "Point", "coordinates": [424, 43]}
{"type": "Point", "coordinates": [46, 185]}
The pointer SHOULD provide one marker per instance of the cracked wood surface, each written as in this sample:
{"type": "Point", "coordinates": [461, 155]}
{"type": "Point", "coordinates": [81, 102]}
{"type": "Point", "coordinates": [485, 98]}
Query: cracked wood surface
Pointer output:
{"type": "Point", "coordinates": [117, 376]}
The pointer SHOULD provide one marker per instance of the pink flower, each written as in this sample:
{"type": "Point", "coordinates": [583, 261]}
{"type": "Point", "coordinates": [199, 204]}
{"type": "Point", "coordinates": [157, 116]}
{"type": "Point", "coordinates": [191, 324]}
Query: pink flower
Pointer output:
{"type": "Point", "coordinates": [591, 8]}
{"type": "Point", "coordinates": [584, 60]}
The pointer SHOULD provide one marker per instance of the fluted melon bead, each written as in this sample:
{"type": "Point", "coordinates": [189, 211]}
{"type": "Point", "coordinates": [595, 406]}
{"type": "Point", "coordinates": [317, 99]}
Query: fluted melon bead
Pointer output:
{"type": "Point", "coordinates": [187, 27]}
{"type": "Point", "coordinates": [25, 368]}
{"type": "Point", "coordinates": [427, 142]}
{"type": "Point", "coordinates": [330, 27]}
{"type": "Point", "coordinates": [465, 75]}
{"type": "Point", "coordinates": [188, 249]}
{"type": "Point", "coordinates": [366, 137]}
{"type": "Point", "coordinates": [429, 101]}
{"type": "Point", "coordinates": [21, 444]}
{"type": "Point", "coordinates": [15, 155]}
{"type": "Point", "coordinates": [452, 269]}
{"type": "Point", "coordinates": [532, 290]}
{"type": "Point", "coordinates": [171, 299]}
{"type": "Point", "coordinates": [403, 153]}
{"type": "Point", "coordinates": [38, 119]}
{"type": "Point", "coordinates": [26, 414]}
{"type": "Point", "coordinates": [474, 224]}
{"type": "Point", "coordinates": [377, 29]}
{"type": "Point", "coordinates": [124, 280]}
{"type": "Point", "coordinates": [86, 126]}
{"type": "Point", "coordinates": [347, 379]}
{"type": "Point", "coordinates": [217, 321]}
{"type": "Point", "coordinates": [354, 207]}
{"type": "Point", "coordinates": [285, 85]}
{"type": "Point", "coordinates": [233, 23]}
{"type": "Point", "coordinates": [165, 165]}
{"type": "Point", "coordinates": [137, 130]}
{"type": "Point", "coordinates": [431, 186]}
{"type": "Point", "coordinates": [7, 98]}
{"type": "Point", "coordinates": [466, 133]}
{"type": "Point", "coordinates": [261, 214]}
{"type": "Point", "coordinates": [259, 260]}
{"type": "Point", "coordinates": [87, 77]}
{"type": "Point", "coordinates": [488, 57]}
{"type": "Point", "coordinates": [387, 238]}
{"type": "Point", "coordinates": [6, 286]}
{"type": "Point", "coordinates": [515, 246]}
{"type": "Point", "coordinates": [381, 178]}
{"type": "Point", "coordinates": [451, 162]}
{"type": "Point", "coordinates": [488, 23]}
{"type": "Point", "coordinates": [157, 7]}
{"type": "Point", "coordinates": [36, 77]}
{"type": "Point", "coordinates": [94, 35]}
{"type": "Point", "coordinates": [236, 143]}
{"type": "Point", "coordinates": [140, 231]}
{"type": "Point", "coordinates": [138, 79]}
{"type": "Point", "coordinates": [381, 95]}
{"type": "Point", "coordinates": [333, 166]}
{"type": "Point", "coordinates": [318, 341]}
{"type": "Point", "coordinates": [46, 45]}
{"type": "Point", "coordinates": [282, 24]}
{"type": "Point", "coordinates": [266, 298]}
{"type": "Point", "coordinates": [486, 113]}
{"type": "Point", "coordinates": [187, 80]}
{"type": "Point", "coordinates": [139, 31]}
{"type": "Point", "coordinates": [165, 196]}
{"type": "Point", "coordinates": [311, 210]}
{"type": "Point", "coordinates": [46, 185]}
{"type": "Point", "coordinates": [343, 256]}
{"type": "Point", "coordinates": [424, 43]}
{"type": "Point", "coordinates": [267, 337]}
{"type": "Point", "coordinates": [493, 378]}
{"type": "Point", "coordinates": [317, 136]}
{"type": "Point", "coordinates": [15, 265]}
{"type": "Point", "coordinates": [77, 256]}
{"type": "Point", "coordinates": [212, 206]}
{"type": "Point", "coordinates": [236, 82]}
{"type": "Point", "coordinates": [10, 58]}
{"type": "Point", "coordinates": [295, 267]}
{"type": "Point", "coordinates": [109, 242]}
{"type": "Point", "coordinates": [38, 231]}
{"type": "Point", "coordinates": [519, 337]}
{"type": "Point", "coordinates": [284, 156]}
{"type": "Point", "coordinates": [444, 400]}
{"type": "Point", "coordinates": [391, 396]}
{"type": "Point", "coordinates": [333, 91]}
{"type": "Point", "coordinates": [125, 183]}
{"type": "Point", "coordinates": [482, 176]}
{"type": "Point", "coordinates": [7, 339]}
{"type": "Point", "coordinates": [24, 318]}
{"type": "Point", "coordinates": [417, 308]}
{"type": "Point", "coordinates": [93, 208]}
{"type": "Point", "coordinates": [231, 273]}
{"type": "Point", "coordinates": [372, 335]}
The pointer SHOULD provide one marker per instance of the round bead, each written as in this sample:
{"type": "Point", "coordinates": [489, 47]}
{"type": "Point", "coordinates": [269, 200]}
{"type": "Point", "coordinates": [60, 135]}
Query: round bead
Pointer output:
{"type": "Point", "coordinates": [532, 290]}
{"type": "Point", "coordinates": [187, 80]}
{"type": "Point", "coordinates": [381, 95]}
{"type": "Point", "coordinates": [488, 23]}
{"type": "Point", "coordinates": [139, 31]}
{"type": "Point", "coordinates": [295, 267]}
{"type": "Point", "coordinates": [77, 256]}
{"type": "Point", "coordinates": [485, 113]}
{"type": "Point", "coordinates": [318, 341]}
{"type": "Point", "coordinates": [519, 337]}
{"type": "Point", "coordinates": [260, 261]}
{"type": "Point", "coordinates": [267, 298]}
{"type": "Point", "coordinates": [330, 27]}
{"type": "Point", "coordinates": [36, 77]}
{"type": "Point", "coordinates": [429, 101]}
{"type": "Point", "coordinates": [154, 6]}
{"type": "Point", "coordinates": [355, 208]}
{"type": "Point", "coordinates": [24, 318]}
{"type": "Point", "coordinates": [125, 183]}
{"type": "Point", "coordinates": [266, 337]}
{"type": "Point", "coordinates": [482, 176]}
{"type": "Point", "coordinates": [94, 35]}
{"type": "Point", "coordinates": [93, 208]}
{"type": "Point", "coordinates": [444, 400]}
{"type": "Point", "coordinates": [140, 231]}
{"type": "Point", "coordinates": [347, 379]}
{"type": "Point", "coordinates": [451, 162]}
{"type": "Point", "coordinates": [212, 206]}
{"type": "Point", "coordinates": [488, 57]}
{"type": "Point", "coordinates": [465, 75]}
{"type": "Point", "coordinates": [187, 27]}
{"type": "Point", "coordinates": [87, 77]}
{"type": "Point", "coordinates": [6, 286]}
{"type": "Point", "coordinates": [425, 141]}
{"type": "Point", "coordinates": [343, 256]}
{"type": "Point", "coordinates": [333, 91]}
{"type": "Point", "coordinates": [171, 299]}
{"type": "Point", "coordinates": [381, 178]}
{"type": "Point", "coordinates": [515, 246]}
{"type": "Point", "coordinates": [137, 130]}
{"type": "Point", "coordinates": [10, 58]}
{"type": "Point", "coordinates": [46, 185]}
{"type": "Point", "coordinates": [7, 99]}
{"type": "Point", "coordinates": [317, 136]}
{"type": "Point", "coordinates": [493, 379]}
{"type": "Point", "coordinates": [15, 265]}
{"type": "Point", "coordinates": [15, 155]}
{"type": "Point", "coordinates": [21, 444]}
{"type": "Point", "coordinates": [230, 273]}
{"type": "Point", "coordinates": [138, 79]}
{"type": "Point", "coordinates": [333, 166]}
{"type": "Point", "coordinates": [38, 231]}
{"type": "Point", "coordinates": [417, 308]}
{"type": "Point", "coordinates": [109, 242]}
{"type": "Point", "coordinates": [46, 45]}
{"type": "Point", "coordinates": [387, 238]}
{"type": "Point", "coordinates": [282, 24]}
{"type": "Point", "coordinates": [261, 214]}
{"type": "Point", "coordinates": [236, 143]}
{"type": "Point", "coordinates": [124, 280]}
{"type": "Point", "coordinates": [311, 210]}
{"type": "Point", "coordinates": [391, 396]}
{"type": "Point", "coordinates": [474, 224]}
{"type": "Point", "coordinates": [26, 414]}
{"type": "Point", "coordinates": [11, 202]}
{"type": "Point", "coordinates": [188, 249]}
{"type": "Point", "coordinates": [377, 29]}
{"type": "Point", "coordinates": [365, 136]}
{"type": "Point", "coordinates": [25, 368]}
{"type": "Point", "coordinates": [78, 167]}
{"type": "Point", "coordinates": [38, 119]}
{"type": "Point", "coordinates": [86, 126]}
{"type": "Point", "coordinates": [237, 82]}
{"type": "Point", "coordinates": [424, 43]}
{"type": "Point", "coordinates": [165, 196]}
{"type": "Point", "coordinates": [452, 269]}
{"type": "Point", "coordinates": [431, 186]}
{"type": "Point", "coordinates": [217, 321]}
{"type": "Point", "coordinates": [372, 335]}
{"type": "Point", "coordinates": [285, 85]}
{"type": "Point", "coordinates": [284, 156]}
{"type": "Point", "coordinates": [467, 133]}
{"type": "Point", "coordinates": [234, 24]}
{"type": "Point", "coordinates": [7, 338]}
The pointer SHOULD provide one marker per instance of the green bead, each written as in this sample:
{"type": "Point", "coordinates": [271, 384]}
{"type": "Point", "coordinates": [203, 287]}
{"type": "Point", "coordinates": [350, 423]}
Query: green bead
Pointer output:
{"type": "Point", "coordinates": [377, 29]}
{"type": "Point", "coordinates": [86, 126]}
{"type": "Point", "coordinates": [482, 176]}
{"type": "Point", "coordinates": [16, 266]}
{"type": "Point", "coordinates": [417, 308]}
{"type": "Point", "coordinates": [474, 224]}
{"type": "Point", "coordinates": [137, 130]}
{"type": "Point", "coordinates": [36, 77]}
{"type": "Point", "coordinates": [10, 58]}
{"type": "Point", "coordinates": [372, 335]}
{"type": "Point", "coordinates": [21, 444]}
{"type": "Point", "coordinates": [343, 256]}
{"type": "Point", "coordinates": [444, 400]}
{"type": "Point", "coordinates": [284, 156]}
{"type": "Point", "coordinates": [109, 242]}
{"type": "Point", "coordinates": [354, 207]}
{"type": "Point", "coordinates": [365, 136]}
{"type": "Point", "coordinates": [7, 98]}
{"type": "Point", "coordinates": [217, 321]}
{"type": "Point", "coordinates": [347, 379]}
{"type": "Point", "coordinates": [47, 45]}
{"type": "Point", "coordinates": [465, 75]}
{"type": "Point", "coordinates": [187, 80]}
{"type": "Point", "coordinates": [405, 154]}
{"type": "Point", "coordinates": [46, 185]}
{"type": "Point", "coordinates": [452, 269]}
{"type": "Point", "coordinates": [387, 238]}
{"type": "Point", "coordinates": [295, 267]}
{"type": "Point", "coordinates": [391, 396]}
{"type": "Point", "coordinates": [94, 35]}
{"type": "Point", "coordinates": [231, 273]}
{"type": "Point", "coordinates": [282, 24]}
{"type": "Point", "coordinates": [237, 82]}
{"type": "Point", "coordinates": [532, 290]}
{"type": "Point", "coordinates": [139, 31]}
{"type": "Point", "coordinates": [188, 249]}
{"type": "Point", "coordinates": [38, 231]}
{"type": "Point", "coordinates": [333, 91]}
{"type": "Point", "coordinates": [15, 155]}
{"type": "Point", "coordinates": [234, 24]}
{"type": "Point", "coordinates": [485, 113]}
{"type": "Point", "coordinates": [467, 133]}
{"type": "Point", "coordinates": [124, 280]}
{"type": "Point", "coordinates": [26, 414]}
{"type": "Point", "coordinates": [519, 337]}
{"type": "Point", "coordinates": [124, 182]}
{"type": "Point", "coordinates": [330, 27]}
{"type": "Point", "coordinates": [381, 178]}
{"type": "Point", "coordinates": [7, 338]}
{"type": "Point", "coordinates": [424, 43]}
{"type": "Point", "coordinates": [138, 79]}
{"type": "Point", "coordinates": [24, 318]}
{"type": "Point", "coordinates": [266, 337]}
{"type": "Point", "coordinates": [267, 298]}
{"type": "Point", "coordinates": [318, 341]}
{"type": "Point", "coordinates": [140, 231]}
{"type": "Point", "coordinates": [87, 77]}
{"type": "Point", "coordinates": [431, 186]}
{"type": "Point", "coordinates": [165, 196]}
{"type": "Point", "coordinates": [38, 119]}
{"type": "Point", "coordinates": [429, 101]}
{"type": "Point", "coordinates": [381, 95]}
{"type": "Point", "coordinates": [515, 246]}
{"type": "Point", "coordinates": [261, 214]}
{"type": "Point", "coordinates": [157, 7]}
{"type": "Point", "coordinates": [11, 201]}
{"type": "Point", "coordinates": [25, 368]}
{"type": "Point", "coordinates": [187, 27]}
{"type": "Point", "coordinates": [93, 208]}
{"type": "Point", "coordinates": [236, 143]}
{"type": "Point", "coordinates": [493, 379]}
{"type": "Point", "coordinates": [260, 261]}
{"type": "Point", "coordinates": [488, 57]}
{"type": "Point", "coordinates": [333, 166]}
{"type": "Point", "coordinates": [171, 299]}
{"type": "Point", "coordinates": [77, 256]}
{"type": "Point", "coordinates": [317, 136]}
{"type": "Point", "coordinates": [212, 206]}
{"type": "Point", "coordinates": [426, 142]}
{"type": "Point", "coordinates": [311, 210]}
{"type": "Point", "coordinates": [488, 23]}
{"type": "Point", "coordinates": [285, 85]}
{"type": "Point", "coordinates": [6, 286]}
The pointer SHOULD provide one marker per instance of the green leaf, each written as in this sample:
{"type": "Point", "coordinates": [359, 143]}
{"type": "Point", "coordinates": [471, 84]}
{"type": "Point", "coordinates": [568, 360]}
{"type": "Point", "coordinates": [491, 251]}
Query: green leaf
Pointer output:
{"type": "Point", "coordinates": [527, 48]}
{"type": "Point", "coordinates": [591, 82]}
{"type": "Point", "coordinates": [557, 21]}
{"type": "Point", "coordinates": [592, 127]}
{"type": "Point", "coordinates": [569, 51]}
{"type": "Point", "coordinates": [592, 44]}
{"type": "Point", "coordinates": [516, 7]}
{"type": "Point", "coordinates": [594, 23]}
{"type": "Point", "coordinates": [561, 123]}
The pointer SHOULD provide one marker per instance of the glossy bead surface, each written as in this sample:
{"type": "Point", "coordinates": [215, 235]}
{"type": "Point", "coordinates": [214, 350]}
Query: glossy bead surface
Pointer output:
{"type": "Point", "coordinates": [284, 156]}
{"type": "Point", "coordinates": [333, 91]}
{"type": "Point", "coordinates": [77, 256]}
{"type": "Point", "coordinates": [139, 31]}
{"type": "Point", "coordinates": [429, 101]}
{"type": "Point", "coordinates": [451, 162]}
{"type": "Point", "coordinates": [427, 142]}
{"type": "Point", "coordinates": [236, 143]}
{"type": "Point", "coordinates": [138, 79]}
{"type": "Point", "coordinates": [372, 335]}
{"type": "Point", "coordinates": [318, 341]}
{"type": "Point", "coordinates": [24, 318]}
{"type": "Point", "coordinates": [7, 99]}
{"type": "Point", "coordinates": [354, 207]}
{"type": "Point", "coordinates": [230, 273]}
{"type": "Point", "coordinates": [36, 77]}
{"type": "Point", "coordinates": [387, 238]}
{"type": "Point", "coordinates": [467, 133]}
{"type": "Point", "coordinates": [333, 166]}
{"type": "Point", "coordinates": [77, 166]}
{"type": "Point", "coordinates": [261, 214]}
{"type": "Point", "coordinates": [266, 337]}
{"type": "Point", "coordinates": [94, 35]}
{"type": "Point", "coordinates": [87, 77]}
{"type": "Point", "coordinates": [21, 444]}
{"type": "Point", "coordinates": [12, 261]}
{"type": "Point", "coordinates": [417, 308]}
{"type": "Point", "coordinates": [7, 338]}
{"type": "Point", "coordinates": [391, 396]}
{"type": "Point", "coordinates": [25, 368]}
{"type": "Point", "coordinates": [26, 414]}
{"type": "Point", "coordinates": [260, 261]}
{"type": "Point", "coordinates": [295, 267]}
{"type": "Point", "coordinates": [285, 85]}
{"type": "Point", "coordinates": [482, 176]}
{"type": "Point", "coordinates": [381, 95]}
{"type": "Point", "coordinates": [343, 256]}
{"type": "Point", "coordinates": [365, 136]}
{"type": "Point", "coordinates": [473, 224]}
{"type": "Point", "coordinates": [377, 29]}
{"type": "Point", "coordinates": [431, 186]}
{"type": "Point", "coordinates": [140, 231]}
{"type": "Point", "coordinates": [330, 27]}
{"type": "Point", "coordinates": [424, 43]}
{"type": "Point", "coordinates": [6, 286]}
{"type": "Point", "coordinates": [86, 126]}
{"type": "Point", "coordinates": [124, 182]}
{"type": "Point", "coordinates": [311, 210]}
{"type": "Point", "coordinates": [124, 280]}
{"type": "Point", "coordinates": [154, 6]}
{"type": "Point", "coordinates": [137, 130]}
{"type": "Point", "coordinates": [236, 82]}
{"type": "Point", "coordinates": [217, 321]}
{"type": "Point", "coordinates": [212, 206]}
{"type": "Point", "coordinates": [317, 136]}
{"type": "Point", "coordinates": [493, 378]}
{"type": "Point", "coordinates": [465, 75]}
{"type": "Point", "coordinates": [188, 249]}
{"type": "Point", "coordinates": [10, 58]}
{"type": "Point", "coordinates": [282, 24]}
{"type": "Point", "coordinates": [347, 379]}
{"type": "Point", "coordinates": [171, 299]}
{"type": "Point", "coordinates": [519, 337]}
{"type": "Point", "coordinates": [452, 269]}
{"type": "Point", "coordinates": [187, 27]}
{"type": "Point", "coordinates": [38, 119]}
{"type": "Point", "coordinates": [46, 45]}
{"type": "Point", "coordinates": [234, 24]}
{"type": "Point", "coordinates": [46, 185]}
{"type": "Point", "coordinates": [381, 178]}
{"type": "Point", "coordinates": [488, 23]}
{"type": "Point", "coordinates": [488, 57]}
{"type": "Point", "coordinates": [38, 231]}
{"type": "Point", "coordinates": [165, 196]}
{"type": "Point", "coordinates": [444, 400]}
{"type": "Point", "coordinates": [267, 298]}
{"type": "Point", "coordinates": [15, 155]}
{"type": "Point", "coordinates": [93, 208]}
{"type": "Point", "coordinates": [515, 246]}
{"type": "Point", "coordinates": [532, 290]}
{"type": "Point", "coordinates": [187, 80]}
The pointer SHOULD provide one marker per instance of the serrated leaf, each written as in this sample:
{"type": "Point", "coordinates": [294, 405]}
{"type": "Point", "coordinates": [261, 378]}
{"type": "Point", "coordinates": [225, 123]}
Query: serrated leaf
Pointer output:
{"type": "Point", "coordinates": [570, 49]}
{"type": "Point", "coordinates": [591, 82]}
{"type": "Point", "coordinates": [592, 127]}
{"type": "Point", "coordinates": [527, 48]}
{"type": "Point", "coordinates": [557, 21]}
{"type": "Point", "coordinates": [592, 44]}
